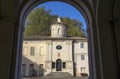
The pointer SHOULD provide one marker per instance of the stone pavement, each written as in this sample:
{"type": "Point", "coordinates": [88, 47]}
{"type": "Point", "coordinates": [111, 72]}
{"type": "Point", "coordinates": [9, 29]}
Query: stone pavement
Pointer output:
{"type": "Point", "coordinates": [57, 75]}
{"type": "Point", "coordinates": [56, 78]}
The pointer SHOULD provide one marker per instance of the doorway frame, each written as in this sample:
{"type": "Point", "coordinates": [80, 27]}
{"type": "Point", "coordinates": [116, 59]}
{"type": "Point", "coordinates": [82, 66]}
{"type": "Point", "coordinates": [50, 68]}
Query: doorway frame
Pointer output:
{"type": "Point", "coordinates": [58, 63]}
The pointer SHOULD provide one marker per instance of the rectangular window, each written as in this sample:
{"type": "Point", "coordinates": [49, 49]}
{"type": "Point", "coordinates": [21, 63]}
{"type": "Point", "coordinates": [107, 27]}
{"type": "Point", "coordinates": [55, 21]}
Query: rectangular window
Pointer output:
{"type": "Point", "coordinates": [31, 69]}
{"type": "Point", "coordinates": [23, 70]}
{"type": "Point", "coordinates": [82, 45]}
{"type": "Point", "coordinates": [82, 57]}
{"type": "Point", "coordinates": [83, 69]}
{"type": "Point", "coordinates": [64, 64]}
{"type": "Point", "coordinates": [53, 64]}
{"type": "Point", "coordinates": [32, 50]}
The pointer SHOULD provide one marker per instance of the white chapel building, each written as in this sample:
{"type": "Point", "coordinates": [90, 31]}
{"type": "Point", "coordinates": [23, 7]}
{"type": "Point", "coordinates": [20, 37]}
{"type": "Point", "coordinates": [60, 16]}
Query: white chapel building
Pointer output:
{"type": "Point", "coordinates": [43, 55]}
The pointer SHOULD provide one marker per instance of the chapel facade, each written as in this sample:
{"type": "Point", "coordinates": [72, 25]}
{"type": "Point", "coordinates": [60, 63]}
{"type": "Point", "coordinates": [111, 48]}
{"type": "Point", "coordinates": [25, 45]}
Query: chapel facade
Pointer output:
{"type": "Point", "coordinates": [43, 55]}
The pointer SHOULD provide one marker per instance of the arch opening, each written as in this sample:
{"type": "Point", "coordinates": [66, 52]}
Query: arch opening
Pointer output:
{"type": "Point", "coordinates": [87, 17]}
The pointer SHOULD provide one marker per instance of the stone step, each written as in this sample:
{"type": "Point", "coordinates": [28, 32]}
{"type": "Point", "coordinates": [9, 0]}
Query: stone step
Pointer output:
{"type": "Point", "coordinates": [59, 74]}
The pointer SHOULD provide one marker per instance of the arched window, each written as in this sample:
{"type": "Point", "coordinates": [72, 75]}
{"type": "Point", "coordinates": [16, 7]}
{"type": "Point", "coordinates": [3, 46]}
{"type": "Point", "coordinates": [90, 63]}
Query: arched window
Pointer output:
{"type": "Point", "coordinates": [58, 31]}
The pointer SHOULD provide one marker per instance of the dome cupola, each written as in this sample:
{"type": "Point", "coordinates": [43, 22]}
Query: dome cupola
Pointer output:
{"type": "Point", "coordinates": [58, 29]}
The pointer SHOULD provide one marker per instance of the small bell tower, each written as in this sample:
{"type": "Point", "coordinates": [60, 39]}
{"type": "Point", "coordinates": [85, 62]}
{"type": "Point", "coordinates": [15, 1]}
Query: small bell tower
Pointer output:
{"type": "Point", "coordinates": [58, 29]}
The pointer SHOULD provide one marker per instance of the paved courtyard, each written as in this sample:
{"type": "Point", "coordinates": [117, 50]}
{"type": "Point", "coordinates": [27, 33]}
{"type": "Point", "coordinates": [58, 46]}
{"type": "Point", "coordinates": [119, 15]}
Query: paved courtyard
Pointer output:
{"type": "Point", "coordinates": [56, 78]}
{"type": "Point", "coordinates": [57, 75]}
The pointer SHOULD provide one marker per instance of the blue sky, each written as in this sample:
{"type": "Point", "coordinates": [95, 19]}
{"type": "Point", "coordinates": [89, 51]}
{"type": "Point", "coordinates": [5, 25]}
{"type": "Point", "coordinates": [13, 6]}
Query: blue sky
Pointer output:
{"type": "Point", "coordinates": [64, 10]}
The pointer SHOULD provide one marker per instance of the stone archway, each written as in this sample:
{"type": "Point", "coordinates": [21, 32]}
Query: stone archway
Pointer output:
{"type": "Point", "coordinates": [82, 6]}
{"type": "Point", "coordinates": [105, 15]}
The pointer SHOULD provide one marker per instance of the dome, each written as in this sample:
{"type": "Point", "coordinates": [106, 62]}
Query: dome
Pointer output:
{"type": "Point", "coordinates": [58, 29]}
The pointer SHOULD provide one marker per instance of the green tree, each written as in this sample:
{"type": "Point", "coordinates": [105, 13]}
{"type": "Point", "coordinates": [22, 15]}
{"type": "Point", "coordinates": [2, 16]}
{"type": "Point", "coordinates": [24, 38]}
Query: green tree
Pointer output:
{"type": "Point", "coordinates": [75, 27]}
{"type": "Point", "coordinates": [40, 19]}
{"type": "Point", "coordinates": [38, 23]}
{"type": "Point", "coordinates": [75, 31]}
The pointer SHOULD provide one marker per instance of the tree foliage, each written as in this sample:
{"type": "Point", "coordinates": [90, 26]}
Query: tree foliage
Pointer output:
{"type": "Point", "coordinates": [40, 19]}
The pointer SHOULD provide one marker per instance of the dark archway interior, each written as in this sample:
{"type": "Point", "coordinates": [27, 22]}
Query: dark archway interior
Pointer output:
{"type": "Point", "coordinates": [103, 29]}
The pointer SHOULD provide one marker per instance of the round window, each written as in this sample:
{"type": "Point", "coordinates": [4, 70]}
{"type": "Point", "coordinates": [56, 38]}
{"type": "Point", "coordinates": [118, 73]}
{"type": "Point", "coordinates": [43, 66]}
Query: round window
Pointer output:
{"type": "Point", "coordinates": [58, 47]}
